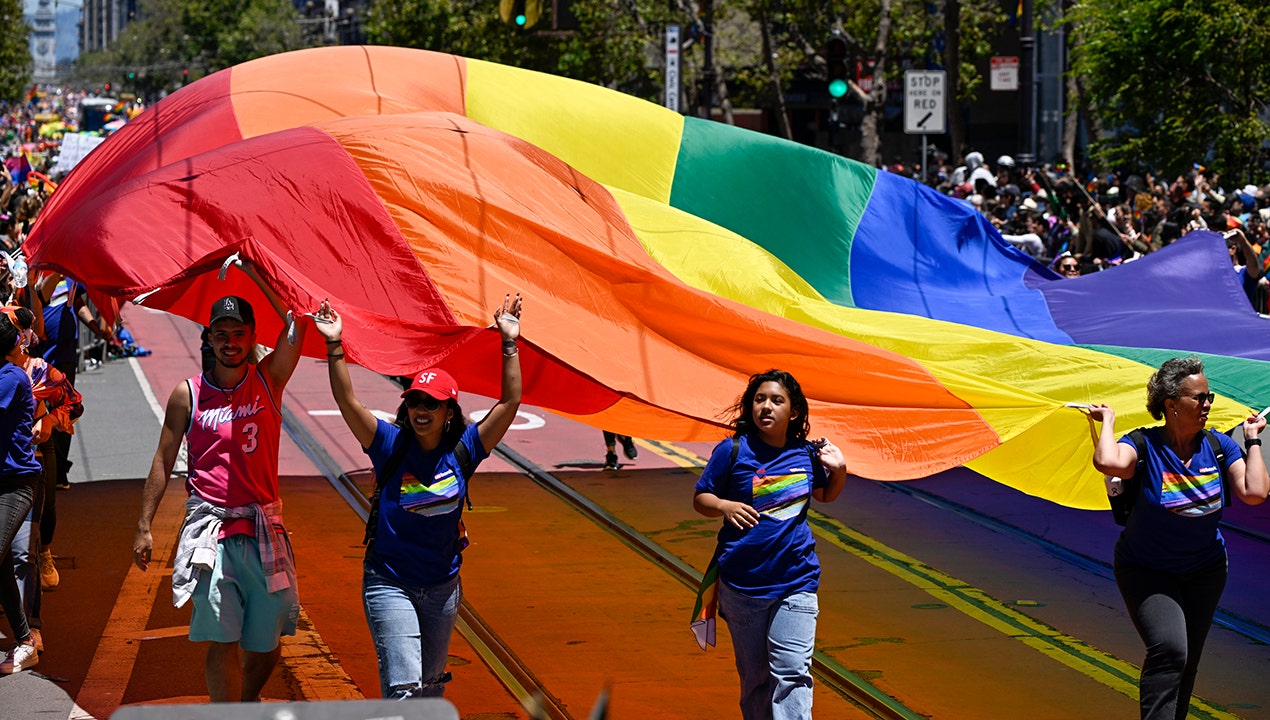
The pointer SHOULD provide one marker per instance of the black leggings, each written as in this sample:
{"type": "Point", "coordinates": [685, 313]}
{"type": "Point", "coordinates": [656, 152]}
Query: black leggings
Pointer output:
{"type": "Point", "coordinates": [1172, 613]}
{"type": "Point", "coordinates": [16, 495]}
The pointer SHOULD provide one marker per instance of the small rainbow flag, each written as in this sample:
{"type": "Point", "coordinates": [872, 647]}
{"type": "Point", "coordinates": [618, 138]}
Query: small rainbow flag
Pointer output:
{"type": "Point", "coordinates": [706, 611]}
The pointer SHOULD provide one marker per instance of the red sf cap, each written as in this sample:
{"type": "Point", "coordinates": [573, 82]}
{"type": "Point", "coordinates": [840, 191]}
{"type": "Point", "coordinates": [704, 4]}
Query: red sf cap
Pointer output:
{"type": "Point", "coordinates": [435, 382]}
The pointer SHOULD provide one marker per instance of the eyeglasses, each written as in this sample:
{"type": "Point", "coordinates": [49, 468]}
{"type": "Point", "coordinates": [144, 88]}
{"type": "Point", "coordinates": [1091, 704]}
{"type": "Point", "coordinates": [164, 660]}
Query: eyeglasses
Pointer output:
{"type": "Point", "coordinates": [428, 402]}
{"type": "Point", "coordinates": [1202, 397]}
{"type": "Point", "coordinates": [1065, 268]}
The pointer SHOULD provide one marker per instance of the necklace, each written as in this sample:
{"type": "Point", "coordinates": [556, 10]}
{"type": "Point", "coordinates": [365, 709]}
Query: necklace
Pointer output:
{"type": "Point", "coordinates": [210, 379]}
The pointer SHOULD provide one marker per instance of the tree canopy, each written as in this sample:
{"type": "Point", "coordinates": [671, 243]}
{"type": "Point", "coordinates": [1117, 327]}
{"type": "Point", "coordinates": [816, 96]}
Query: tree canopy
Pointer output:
{"type": "Point", "coordinates": [1177, 82]}
{"type": "Point", "coordinates": [15, 51]}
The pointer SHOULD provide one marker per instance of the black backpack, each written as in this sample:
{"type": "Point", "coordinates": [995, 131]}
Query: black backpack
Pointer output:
{"type": "Point", "coordinates": [1122, 504]}
{"type": "Point", "coordinates": [398, 456]}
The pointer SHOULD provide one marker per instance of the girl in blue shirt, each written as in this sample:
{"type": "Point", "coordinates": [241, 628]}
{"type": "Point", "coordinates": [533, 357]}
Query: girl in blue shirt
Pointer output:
{"type": "Point", "coordinates": [1170, 560]}
{"type": "Point", "coordinates": [410, 579]}
{"type": "Point", "coordinates": [759, 481]}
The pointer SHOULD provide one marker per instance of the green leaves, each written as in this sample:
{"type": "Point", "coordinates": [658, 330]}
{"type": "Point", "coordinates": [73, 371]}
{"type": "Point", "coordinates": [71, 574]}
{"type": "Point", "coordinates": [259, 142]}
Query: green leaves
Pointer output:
{"type": "Point", "coordinates": [15, 53]}
{"type": "Point", "coordinates": [1177, 82]}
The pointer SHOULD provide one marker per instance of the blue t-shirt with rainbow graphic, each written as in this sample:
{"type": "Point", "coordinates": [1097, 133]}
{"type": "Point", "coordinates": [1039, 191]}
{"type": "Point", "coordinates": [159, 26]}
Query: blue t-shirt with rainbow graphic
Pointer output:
{"type": "Point", "coordinates": [1174, 523]}
{"type": "Point", "coordinates": [777, 557]}
{"type": "Point", "coordinates": [417, 541]}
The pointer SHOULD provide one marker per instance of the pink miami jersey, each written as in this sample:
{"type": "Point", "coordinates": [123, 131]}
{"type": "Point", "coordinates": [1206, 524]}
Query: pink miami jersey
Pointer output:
{"type": "Point", "coordinates": [233, 445]}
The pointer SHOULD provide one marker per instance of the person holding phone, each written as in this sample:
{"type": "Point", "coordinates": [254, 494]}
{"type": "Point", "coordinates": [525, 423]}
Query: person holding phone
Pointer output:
{"type": "Point", "coordinates": [415, 536]}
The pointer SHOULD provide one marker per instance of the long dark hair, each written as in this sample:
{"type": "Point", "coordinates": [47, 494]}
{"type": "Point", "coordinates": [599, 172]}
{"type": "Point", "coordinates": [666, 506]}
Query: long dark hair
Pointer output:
{"type": "Point", "coordinates": [743, 410]}
{"type": "Point", "coordinates": [454, 428]}
{"type": "Point", "coordinates": [9, 334]}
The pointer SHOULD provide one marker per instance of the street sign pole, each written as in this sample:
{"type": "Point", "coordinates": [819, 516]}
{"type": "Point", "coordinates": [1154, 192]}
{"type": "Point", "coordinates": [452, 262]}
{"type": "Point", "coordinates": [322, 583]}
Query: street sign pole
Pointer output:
{"type": "Point", "coordinates": [672, 67]}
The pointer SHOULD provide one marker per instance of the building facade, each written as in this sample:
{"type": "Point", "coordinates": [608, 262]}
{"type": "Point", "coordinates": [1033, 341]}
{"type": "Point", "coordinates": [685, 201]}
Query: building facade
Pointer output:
{"type": "Point", "coordinates": [102, 21]}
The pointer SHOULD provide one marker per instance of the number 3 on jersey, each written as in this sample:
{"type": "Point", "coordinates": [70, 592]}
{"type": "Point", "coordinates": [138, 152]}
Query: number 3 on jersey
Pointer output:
{"type": "Point", "coordinates": [250, 430]}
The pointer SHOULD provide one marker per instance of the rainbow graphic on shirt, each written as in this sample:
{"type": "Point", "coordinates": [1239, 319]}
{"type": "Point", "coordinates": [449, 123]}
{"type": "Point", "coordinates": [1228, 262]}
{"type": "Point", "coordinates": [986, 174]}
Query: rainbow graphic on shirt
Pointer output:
{"type": "Point", "coordinates": [780, 497]}
{"type": "Point", "coordinates": [1191, 495]}
{"type": "Point", "coordinates": [439, 498]}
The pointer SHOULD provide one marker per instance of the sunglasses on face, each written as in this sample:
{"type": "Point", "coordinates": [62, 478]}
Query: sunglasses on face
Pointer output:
{"type": "Point", "coordinates": [1066, 268]}
{"type": "Point", "coordinates": [428, 402]}
{"type": "Point", "coordinates": [1202, 397]}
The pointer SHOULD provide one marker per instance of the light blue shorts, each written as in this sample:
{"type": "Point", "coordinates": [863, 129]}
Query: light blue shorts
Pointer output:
{"type": "Point", "coordinates": [232, 602]}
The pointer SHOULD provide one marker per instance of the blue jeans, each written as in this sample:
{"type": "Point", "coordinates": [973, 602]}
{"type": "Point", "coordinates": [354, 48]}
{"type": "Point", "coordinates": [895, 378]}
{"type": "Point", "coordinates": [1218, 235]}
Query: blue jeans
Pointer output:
{"type": "Point", "coordinates": [1172, 612]}
{"type": "Point", "coordinates": [773, 641]}
{"type": "Point", "coordinates": [24, 552]}
{"type": "Point", "coordinates": [411, 628]}
{"type": "Point", "coordinates": [16, 496]}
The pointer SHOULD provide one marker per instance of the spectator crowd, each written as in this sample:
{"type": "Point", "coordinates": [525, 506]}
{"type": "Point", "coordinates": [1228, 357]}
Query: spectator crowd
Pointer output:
{"type": "Point", "coordinates": [1083, 224]}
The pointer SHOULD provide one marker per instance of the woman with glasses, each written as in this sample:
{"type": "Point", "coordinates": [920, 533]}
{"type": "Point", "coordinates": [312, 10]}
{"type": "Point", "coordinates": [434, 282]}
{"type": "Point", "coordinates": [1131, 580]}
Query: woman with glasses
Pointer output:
{"type": "Point", "coordinates": [415, 537]}
{"type": "Point", "coordinates": [1170, 560]}
{"type": "Point", "coordinates": [1068, 266]}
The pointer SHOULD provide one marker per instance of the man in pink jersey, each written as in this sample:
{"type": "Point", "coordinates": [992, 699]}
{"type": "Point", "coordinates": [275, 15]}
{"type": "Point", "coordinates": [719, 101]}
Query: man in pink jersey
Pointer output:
{"type": "Point", "coordinates": [233, 557]}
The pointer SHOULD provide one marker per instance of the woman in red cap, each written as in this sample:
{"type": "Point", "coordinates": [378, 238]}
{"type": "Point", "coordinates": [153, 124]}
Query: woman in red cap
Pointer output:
{"type": "Point", "coordinates": [415, 536]}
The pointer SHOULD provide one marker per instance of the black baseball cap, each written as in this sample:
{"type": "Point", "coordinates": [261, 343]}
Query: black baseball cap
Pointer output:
{"type": "Point", "coordinates": [232, 307]}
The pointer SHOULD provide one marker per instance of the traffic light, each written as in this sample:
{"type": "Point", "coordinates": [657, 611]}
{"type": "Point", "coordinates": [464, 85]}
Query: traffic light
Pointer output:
{"type": "Point", "coordinates": [836, 65]}
{"type": "Point", "coordinates": [524, 14]}
{"type": "Point", "coordinates": [107, 88]}
{"type": "Point", "coordinates": [132, 75]}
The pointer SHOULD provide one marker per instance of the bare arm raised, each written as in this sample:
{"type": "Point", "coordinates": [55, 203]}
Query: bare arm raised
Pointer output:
{"type": "Point", "coordinates": [359, 419]}
{"type": "Point", "coordinates": [495, 423]}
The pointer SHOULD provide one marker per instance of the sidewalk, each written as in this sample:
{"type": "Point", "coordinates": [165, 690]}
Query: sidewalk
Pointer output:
{"type": "Point", "coordinates": [114, 440]}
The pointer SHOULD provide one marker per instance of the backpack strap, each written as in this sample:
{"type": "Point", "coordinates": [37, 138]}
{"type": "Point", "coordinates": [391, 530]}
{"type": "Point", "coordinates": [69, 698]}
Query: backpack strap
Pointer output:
{"type": "Point", "coordinates": [465, 466]}
{"type": "Point", "coordinates": [1220, 454]}
{"type": "Point", "coordinates": [736, 450]}
{"type": "Point", "coordinates": [398, 456]}
{"type": "Point", "coordinates": [1122, 504]}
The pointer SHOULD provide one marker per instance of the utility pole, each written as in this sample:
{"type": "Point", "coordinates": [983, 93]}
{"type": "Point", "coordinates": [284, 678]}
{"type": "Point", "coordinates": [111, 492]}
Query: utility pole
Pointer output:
{"type": "Point", "coordinates": [1027, 85]}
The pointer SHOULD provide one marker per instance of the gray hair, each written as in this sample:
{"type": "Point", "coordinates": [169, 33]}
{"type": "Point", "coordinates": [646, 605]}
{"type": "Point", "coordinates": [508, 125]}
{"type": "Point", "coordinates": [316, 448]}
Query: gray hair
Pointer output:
{"type": "Point", "coordinates": [1166, 382]}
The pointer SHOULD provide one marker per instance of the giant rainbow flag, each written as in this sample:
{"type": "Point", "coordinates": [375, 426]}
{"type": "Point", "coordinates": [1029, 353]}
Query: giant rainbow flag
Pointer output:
{"type": "Point", "coordinates": [664, 259]}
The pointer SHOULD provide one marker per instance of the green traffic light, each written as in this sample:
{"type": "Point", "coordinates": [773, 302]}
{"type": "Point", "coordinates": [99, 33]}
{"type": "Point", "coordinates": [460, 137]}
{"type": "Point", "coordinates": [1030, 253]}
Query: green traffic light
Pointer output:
{"type": "Point", "coordinates": [838, 87]}
{"type": "Point", "coordinates": [520, 20]}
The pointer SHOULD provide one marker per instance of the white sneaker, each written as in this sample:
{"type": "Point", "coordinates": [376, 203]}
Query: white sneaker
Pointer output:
{"type": "Point", "coordinates": [21, 657]}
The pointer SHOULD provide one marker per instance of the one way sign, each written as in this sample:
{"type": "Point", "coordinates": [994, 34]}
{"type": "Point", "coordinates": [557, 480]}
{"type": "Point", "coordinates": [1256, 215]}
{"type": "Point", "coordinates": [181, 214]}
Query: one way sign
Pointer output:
{"type": "Point", "coordinates": [924, 102]}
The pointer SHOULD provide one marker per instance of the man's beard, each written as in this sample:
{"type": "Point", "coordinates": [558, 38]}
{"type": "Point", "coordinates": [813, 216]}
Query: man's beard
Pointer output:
{"type": "Point", "coordinates": [220, 361]}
